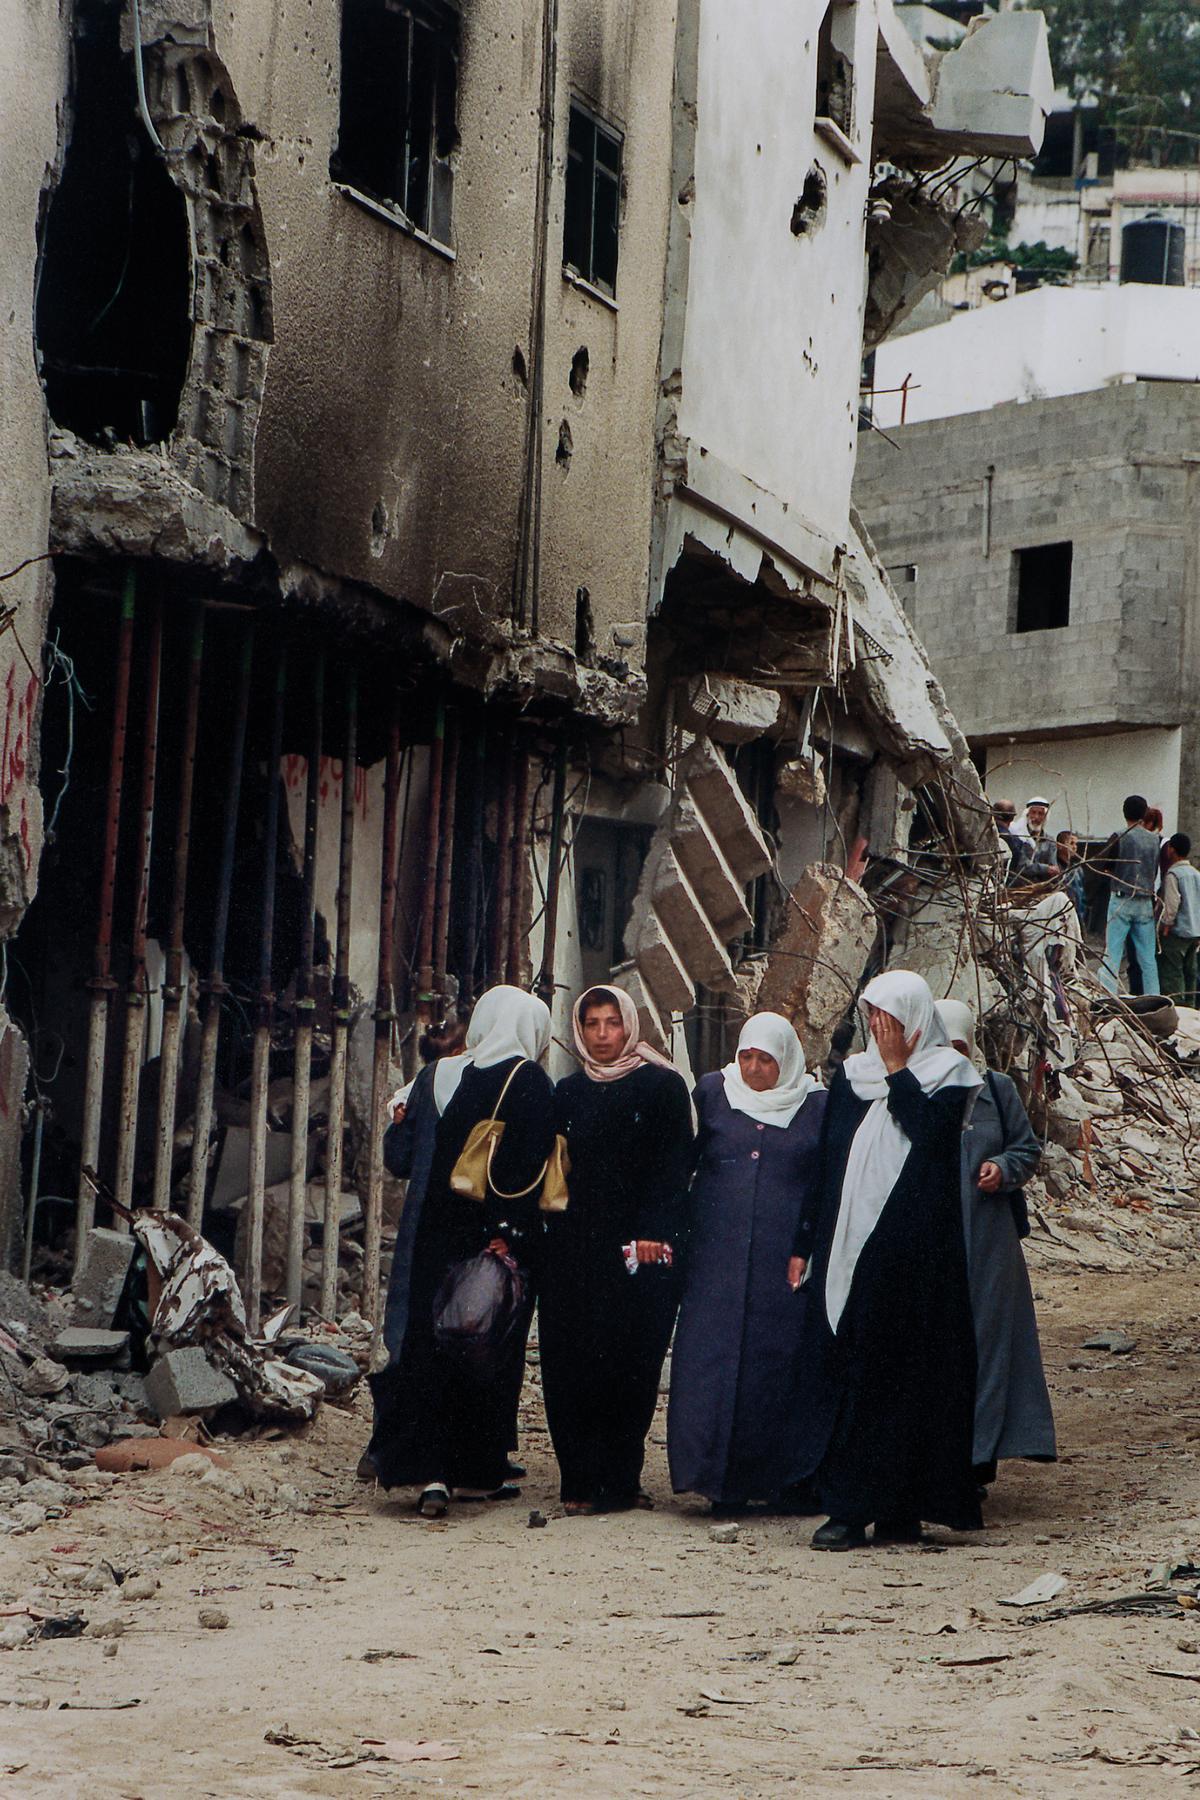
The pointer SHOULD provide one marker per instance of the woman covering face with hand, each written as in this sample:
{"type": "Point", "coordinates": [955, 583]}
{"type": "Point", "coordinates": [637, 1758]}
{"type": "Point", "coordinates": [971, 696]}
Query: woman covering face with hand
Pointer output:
{"type": "Point", "coordinates": [736, 1379]}
{"type": "Point", "coordinates": [888, 1338]}
{"type": "Point", "coordinates": [604, 1326]}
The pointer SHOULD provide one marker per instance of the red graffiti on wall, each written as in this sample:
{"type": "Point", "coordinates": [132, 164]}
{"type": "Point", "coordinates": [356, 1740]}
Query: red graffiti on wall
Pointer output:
{"type": "Point", "coordinates": [329, 786]}
{"type": "Point", "coordinates": [19, 704]}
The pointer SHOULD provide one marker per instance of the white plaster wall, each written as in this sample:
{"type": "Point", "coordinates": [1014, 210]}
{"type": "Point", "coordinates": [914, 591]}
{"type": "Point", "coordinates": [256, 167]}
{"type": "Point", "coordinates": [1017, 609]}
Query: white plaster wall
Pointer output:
{"type": "Point", "coordinates": [1088, 778]}
{"type": "Point", "coordinates": [773, 338]}
{"type": "Point", "coordinates": [1051, 342]}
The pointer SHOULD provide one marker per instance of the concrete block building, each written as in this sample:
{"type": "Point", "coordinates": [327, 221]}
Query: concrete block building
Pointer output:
{"type": "Point", "coordinates": [1045, 546]}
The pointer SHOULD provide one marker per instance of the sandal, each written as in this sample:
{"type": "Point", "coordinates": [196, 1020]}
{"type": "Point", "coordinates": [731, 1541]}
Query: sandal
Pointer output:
{"type": "Point", "coordinates": [435, 1501]}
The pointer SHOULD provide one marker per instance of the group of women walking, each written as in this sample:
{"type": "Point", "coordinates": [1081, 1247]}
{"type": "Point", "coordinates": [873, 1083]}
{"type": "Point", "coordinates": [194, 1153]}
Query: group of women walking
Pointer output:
{"type": "Point", "coordinates": [842, 1270]}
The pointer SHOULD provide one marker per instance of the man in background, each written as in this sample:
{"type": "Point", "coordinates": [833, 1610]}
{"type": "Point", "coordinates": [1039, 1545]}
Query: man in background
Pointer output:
{"type": "Point", "coordinates": [1130, 860]}
{"type": "Point", "coordinates": [1179, 922]}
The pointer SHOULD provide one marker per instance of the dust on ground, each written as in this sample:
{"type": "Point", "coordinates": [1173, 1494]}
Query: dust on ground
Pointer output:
{"type": "Point", "coordinates": [628, 1655]}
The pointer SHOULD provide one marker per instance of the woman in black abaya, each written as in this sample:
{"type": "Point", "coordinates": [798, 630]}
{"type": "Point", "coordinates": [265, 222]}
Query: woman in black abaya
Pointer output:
{"type": "Point", "coordinates": [603, 1329]}
{"type": "Point", "coordinates": [437, 1426]}
{"type": "Point", "coordinates": [889, 1348]}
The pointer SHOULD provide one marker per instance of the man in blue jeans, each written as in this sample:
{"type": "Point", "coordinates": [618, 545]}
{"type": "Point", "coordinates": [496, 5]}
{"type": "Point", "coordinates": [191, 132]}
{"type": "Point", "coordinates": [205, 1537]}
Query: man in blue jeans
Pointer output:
{"type": "Point", "coordinates": [1131, 861]}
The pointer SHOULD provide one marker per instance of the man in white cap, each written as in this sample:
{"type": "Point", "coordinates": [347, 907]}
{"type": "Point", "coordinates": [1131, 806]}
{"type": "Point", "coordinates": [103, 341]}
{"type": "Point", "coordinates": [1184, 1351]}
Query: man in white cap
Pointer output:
{"type": "Point", "coordinates": [1032, 827]}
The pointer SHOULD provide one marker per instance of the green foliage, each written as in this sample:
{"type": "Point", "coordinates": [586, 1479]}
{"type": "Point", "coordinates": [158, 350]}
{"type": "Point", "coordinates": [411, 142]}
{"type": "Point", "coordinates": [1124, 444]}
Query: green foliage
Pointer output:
{"type": "Point", "coordinates": [1140, 60]}
{"type": "Point", "coordinates": [1037, 256]}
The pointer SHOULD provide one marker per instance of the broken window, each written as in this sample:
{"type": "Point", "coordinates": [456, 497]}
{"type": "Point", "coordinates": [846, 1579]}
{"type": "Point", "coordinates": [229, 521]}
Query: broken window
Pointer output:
{"type": "Point", "coordinates": [397, 131]}
{"type": "Point", "coordinates": [835, 68]}
{"type": "Point", "coordinates": [1042, 580]}
{"type": "Point", "coordinates": [593, 200]}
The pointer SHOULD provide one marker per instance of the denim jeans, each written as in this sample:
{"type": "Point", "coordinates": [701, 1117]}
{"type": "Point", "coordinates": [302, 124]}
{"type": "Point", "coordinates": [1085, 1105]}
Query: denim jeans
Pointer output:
{"type": "Point", "coordinates": [1130, 925]}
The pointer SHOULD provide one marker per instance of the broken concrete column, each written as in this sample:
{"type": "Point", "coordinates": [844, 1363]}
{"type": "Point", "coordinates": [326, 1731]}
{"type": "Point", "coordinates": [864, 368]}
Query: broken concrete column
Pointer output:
{"type": "Point", "coordinates": [817, 961]}
{"type": "Point", "coordinates": [713, 786]}
{"type": "Point", "coordinates": [184, 1381]}
{"type": "Point", "coordinates": [732, 711]}
{"type": "Point", "coordinates": [688, 925]}
{"type": "Point", "coordinates": [704, 863]}
{"type": "Point", "coordinates": [101, 1278]}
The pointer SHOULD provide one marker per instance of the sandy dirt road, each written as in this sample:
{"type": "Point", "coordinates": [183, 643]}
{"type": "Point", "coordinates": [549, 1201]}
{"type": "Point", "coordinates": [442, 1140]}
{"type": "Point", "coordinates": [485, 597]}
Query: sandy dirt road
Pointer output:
{"type": "Point", "coordinates": [576, 1659]}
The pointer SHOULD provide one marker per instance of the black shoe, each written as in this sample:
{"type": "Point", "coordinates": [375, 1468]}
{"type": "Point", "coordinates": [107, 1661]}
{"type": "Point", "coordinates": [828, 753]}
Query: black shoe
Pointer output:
{"type": "Point", "coordinates": [835, 1534]}
{"type": "Point", "coordinates": [366, 1470]}
{"type": "Point", "coordinates": [515, 1471]}
{"type": "Point", "coordinates": [897, 1531]}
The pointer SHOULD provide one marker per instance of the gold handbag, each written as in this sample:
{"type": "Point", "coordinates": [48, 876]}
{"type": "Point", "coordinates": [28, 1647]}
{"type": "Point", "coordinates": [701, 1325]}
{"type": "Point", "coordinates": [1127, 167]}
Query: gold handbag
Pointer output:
{"type": "Point", "coordinates": [472, 1173]}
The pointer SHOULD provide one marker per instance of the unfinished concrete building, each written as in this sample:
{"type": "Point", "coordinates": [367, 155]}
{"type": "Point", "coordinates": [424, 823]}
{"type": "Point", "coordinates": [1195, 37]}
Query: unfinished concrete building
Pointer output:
{"type": "Point", "coordinates": [430, 547]}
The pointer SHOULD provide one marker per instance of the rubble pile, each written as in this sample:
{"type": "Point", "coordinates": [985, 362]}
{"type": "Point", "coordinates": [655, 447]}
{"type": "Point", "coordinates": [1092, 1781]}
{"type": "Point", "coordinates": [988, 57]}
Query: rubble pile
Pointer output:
{"type": "Point", "coordinates": [1119, 1182]}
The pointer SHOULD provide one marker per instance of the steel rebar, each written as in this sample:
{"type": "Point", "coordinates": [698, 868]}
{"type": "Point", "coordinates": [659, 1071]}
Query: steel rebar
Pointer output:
{"type": "Point", "coordinates": [214, 987]}
{"type": "Point", "coordinates": [425, 988]}
{"type": "Point", "coordinates": [305, 1003]}
{"type": "Point", "coordinates": [335, 1141]}
{"type": "Point", "coordinates": [264, 1013]}
{"type": "Point", "coordinates": [174, 1010]}
{"type": "Point", "coordinates": [101, 983]}
{"type": "Point", "coordinates": [385, 1013]}
{"type": "Point", "coordinates": [137, 993]}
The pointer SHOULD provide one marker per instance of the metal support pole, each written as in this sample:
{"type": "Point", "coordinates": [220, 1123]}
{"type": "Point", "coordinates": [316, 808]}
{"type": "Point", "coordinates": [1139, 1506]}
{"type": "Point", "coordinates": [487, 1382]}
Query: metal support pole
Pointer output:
{"type": "Point", "coordinates": [173, 989]}
{"type": "Point", "coordinates": [260, 1072]}
{"type": "Point", "coordinates": [385, 1014]}
{"type": "Point", "coordinates": [520, 856]}
{"type": "Point", "coordinates": [545, 980]}
{"type": "Point", "coordinates": [137, 993]}
{"type": "Point", "coordinates": [35, 1181]}
{"type": "Point", "coordinates": [214, 987]}
{"type": "Point", "coordinates": [425, 990]}
{"type": "Point", "coordinates": [101, 982]}
{"type": "Point", "coordinates": [305, 1004]}
{"type": "Point", "coordinates": [335, 1146]}
{"type": "Point", "coordinates": [502, 898]}
{"type": "Point", "coordinates": [445, 880]}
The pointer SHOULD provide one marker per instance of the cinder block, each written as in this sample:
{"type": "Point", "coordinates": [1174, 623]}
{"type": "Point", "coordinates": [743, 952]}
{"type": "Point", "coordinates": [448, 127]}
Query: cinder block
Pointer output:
{"type": "Point", "coordinates": [103, 1269]}
{"type": "Point", "coordinates": [184, 1381]}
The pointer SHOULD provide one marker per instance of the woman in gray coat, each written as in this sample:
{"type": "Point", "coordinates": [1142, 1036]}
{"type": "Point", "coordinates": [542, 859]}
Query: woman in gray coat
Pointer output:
{"type": "Point", "coordinates": [999, 1154]}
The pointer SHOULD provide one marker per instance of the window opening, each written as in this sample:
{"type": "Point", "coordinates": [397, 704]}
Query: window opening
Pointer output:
{"type": "Point", "coordinates": [397, 132]}
{"type": "Point", "coordinates": [593, 200]}
{"type": "Point", "coordinates": [835, 67]}
{"type": "Point", "coordinates": [1042, 579]}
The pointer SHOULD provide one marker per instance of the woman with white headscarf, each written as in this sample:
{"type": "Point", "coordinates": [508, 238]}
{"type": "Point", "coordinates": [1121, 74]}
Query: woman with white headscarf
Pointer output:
{"type": "Point", "coordinates": [438, 1428]}
{"type": "Point", "coordinates": [889, 1352]}
{"type": "Point", "coordinates": [735, 1364]}
{"type": "Point", "coordinates": [1013, 1416]}
{"type": "Point", "coordinates": [610, 1288]}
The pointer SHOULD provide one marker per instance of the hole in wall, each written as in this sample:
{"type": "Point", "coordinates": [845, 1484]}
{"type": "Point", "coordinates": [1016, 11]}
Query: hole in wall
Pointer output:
{"type": "Point", "coordinates": [519, 366]}
{"type": "Point", "coordinates": [566, 447]}
{"type": "Point", "coordinates": [809, 211]}
{"type": "Point", "coordinates": [579, 372]}
{"type": "Point", "coordinates": [112, 323]}
{"type": "Point", "coordinates": [585, 626]}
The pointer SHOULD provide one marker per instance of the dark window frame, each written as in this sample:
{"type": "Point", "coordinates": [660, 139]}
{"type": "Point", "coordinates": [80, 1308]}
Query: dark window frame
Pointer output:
{"type": "Point", "coordinates": [401, 159]}
{"type": "Point", "coordinates": [835, 107]}
{"type": "Point", "coordinates": [1041, 583]}
{"type": "Point", "coordinates": [592, 199]}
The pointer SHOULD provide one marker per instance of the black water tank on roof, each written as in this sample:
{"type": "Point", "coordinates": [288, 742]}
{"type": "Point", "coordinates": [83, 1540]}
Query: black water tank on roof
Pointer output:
{"type": "Point", "coordinates": [1152, 251]}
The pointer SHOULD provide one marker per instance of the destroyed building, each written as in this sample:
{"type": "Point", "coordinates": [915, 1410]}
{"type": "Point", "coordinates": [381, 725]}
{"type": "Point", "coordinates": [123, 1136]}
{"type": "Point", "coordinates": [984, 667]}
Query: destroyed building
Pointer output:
{"type": "Point", "coordinates": [428, 555]}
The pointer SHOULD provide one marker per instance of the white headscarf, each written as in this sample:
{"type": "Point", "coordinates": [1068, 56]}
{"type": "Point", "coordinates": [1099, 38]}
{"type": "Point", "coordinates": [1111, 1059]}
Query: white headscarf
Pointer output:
{"type": "Point", "coordinates": [958, 1022]}
{"type": "Point", "coordinates": [507, 1022]}
{"type": "Point", "coordinates": [772, 1033]}
{"type": "Point", "coordinates": [880, 1147]}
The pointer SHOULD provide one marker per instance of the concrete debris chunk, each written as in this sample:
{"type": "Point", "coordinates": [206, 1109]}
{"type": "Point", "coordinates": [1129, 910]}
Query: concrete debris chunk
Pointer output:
{"type": "Point", "coordinates": [100, 1281]}
{"type": "Point", "coordinates": [85, 1345]}
{"type": "Point", "coordinates": [815, 964]}
{"type": "Point", "coordinates": [184, 1381]}
{"type": "Point", "coordinates": [1118, 1343]}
